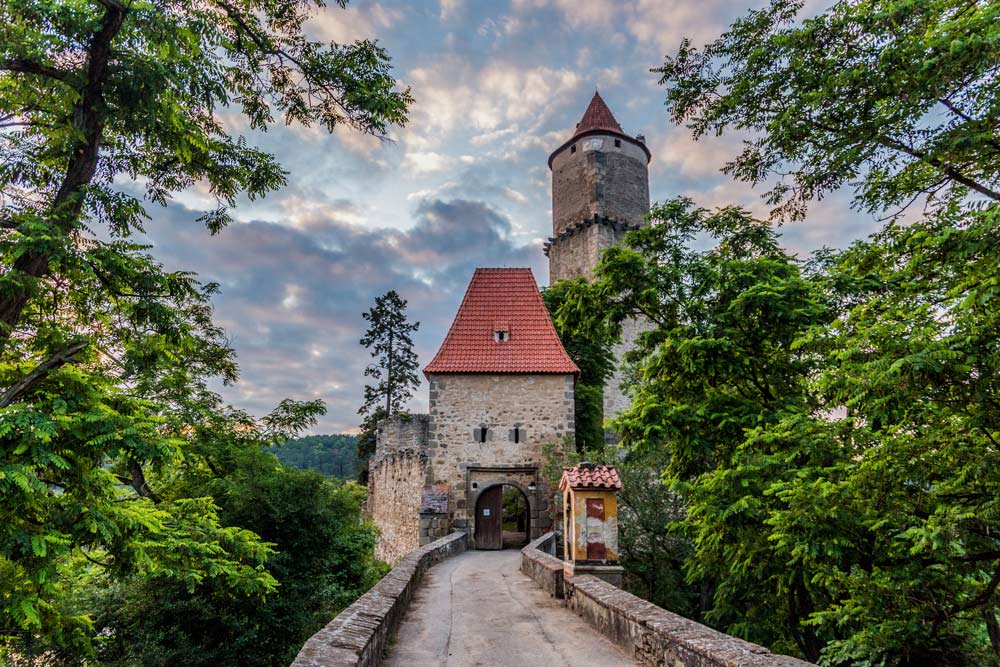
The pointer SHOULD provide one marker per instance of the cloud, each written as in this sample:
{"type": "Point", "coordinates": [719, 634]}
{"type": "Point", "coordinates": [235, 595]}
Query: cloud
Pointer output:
{"type": "Point", "coordinates": [576, 13]}
{"type": "Point", "coordinates": [360, 21]}
{"type": "Point", "coordinates": [292, 297]}
{"type": "Point", "coordinates": [450, 9]}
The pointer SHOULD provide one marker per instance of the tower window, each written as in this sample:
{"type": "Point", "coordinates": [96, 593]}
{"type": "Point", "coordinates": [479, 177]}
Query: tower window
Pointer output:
{"type": "Point", "coordinates": [517, 434]}
{"type": "Point", "coordinates": [479, 434]}
{"type": "Point", "coordinates": [572, 149]}
{"type": "Point", "coordinates": [618, 143]}
{"type": "Point", "coordinates": [501, 335]}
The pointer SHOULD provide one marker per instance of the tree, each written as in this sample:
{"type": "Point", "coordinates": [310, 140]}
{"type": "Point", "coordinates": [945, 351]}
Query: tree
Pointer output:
{"type": "Point", "coordinates": [897, 100]}
{"type": "Point", "coordinates": [105, 358]}
{"type": "Point", "coordinates": [322, 562]}
{"type": "Point", "coordinates": [388, 340]}
{"type": "Point", "coordinates": [716, 362]}
{"type": "Point", "coordinates": [868, 470]}
{"type": "Point", "coordinates": [331, 455]}
{"type": "Point", "coordinates": [590, 347]}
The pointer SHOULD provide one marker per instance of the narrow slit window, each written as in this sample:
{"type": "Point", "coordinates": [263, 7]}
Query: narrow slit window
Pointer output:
{"type": "Point", "coordinates": [481, 434]}
{"type": "Point", "coordinates": [618, 143]}
{"type": "Point", "coordinates": [572, 149]}
{"type": "Point", "coordinates": [517, 435]}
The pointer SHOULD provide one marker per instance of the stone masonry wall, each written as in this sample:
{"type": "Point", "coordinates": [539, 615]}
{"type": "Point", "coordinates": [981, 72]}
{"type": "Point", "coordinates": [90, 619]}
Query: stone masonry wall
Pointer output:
{"type": "Point", "coordinates": [652, 636]}
{"type": "Point", "coordinates": [540, 405]}
{"type": "Point", "coordinates": [575, 255]}
{"type": "Point", "coordinates": [599, 178]}
{"type": "Point", "coordinates": [394, 485]}
{"type": "Point", "coordinates": [395, 480]}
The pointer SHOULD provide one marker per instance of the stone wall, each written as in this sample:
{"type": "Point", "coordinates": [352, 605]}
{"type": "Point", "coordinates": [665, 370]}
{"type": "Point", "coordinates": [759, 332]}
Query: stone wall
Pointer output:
{"type": "Point", "coordinates": [655, 636]}
{"type": "Point", "coordinates": [576, 251]}
{"type": "Point", "coordinates": [601, 179]}
{"type": "Point", "coordinates": [652, 636]}
{"type": "Point", "coordinates": [357, 637]}
{"type": "Point", "coordinates": [615, 399]}
{"type": "Point", "coordinates": [396, 475]}
{"type": "Point", "coordinates": [394, 485]}
{"type": "Point", "coordinates": [540, 406]}
{"type": "Point", "coordinates": [538, 561]}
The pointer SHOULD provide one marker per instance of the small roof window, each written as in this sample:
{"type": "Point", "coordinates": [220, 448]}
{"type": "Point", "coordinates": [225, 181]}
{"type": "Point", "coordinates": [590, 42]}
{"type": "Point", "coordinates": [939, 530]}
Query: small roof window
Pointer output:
{"type": "Point", "coordinates": [501, 335]}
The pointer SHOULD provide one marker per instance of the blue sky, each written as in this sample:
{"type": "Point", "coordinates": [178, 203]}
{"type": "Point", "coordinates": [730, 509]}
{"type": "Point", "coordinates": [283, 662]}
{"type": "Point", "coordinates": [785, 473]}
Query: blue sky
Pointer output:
{"type": "Point", "coordinates": [498, 86]}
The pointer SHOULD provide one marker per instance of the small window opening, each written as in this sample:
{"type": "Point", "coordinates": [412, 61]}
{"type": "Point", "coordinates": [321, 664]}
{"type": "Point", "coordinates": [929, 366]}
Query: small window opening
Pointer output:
{"type": "Point", "coordinates": [501, 335]}
{"type": "Point", "coordinates": [517, 435]}
{"type": "Point", "coordinates": [572, 149]}
{"type": "Point", "coordinates": [618, 143]}
{"type": "Point", "coordinates": [480, 434]}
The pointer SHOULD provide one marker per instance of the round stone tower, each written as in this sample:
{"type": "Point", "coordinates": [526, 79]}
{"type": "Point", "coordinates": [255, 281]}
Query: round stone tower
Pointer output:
{"type": "Point", "coordinates": [600, 190]}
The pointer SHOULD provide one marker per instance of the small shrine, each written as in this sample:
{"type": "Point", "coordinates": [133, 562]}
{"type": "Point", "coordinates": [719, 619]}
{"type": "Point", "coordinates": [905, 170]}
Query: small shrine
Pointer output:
{"type": "Point", "coordinates": [590, 521]}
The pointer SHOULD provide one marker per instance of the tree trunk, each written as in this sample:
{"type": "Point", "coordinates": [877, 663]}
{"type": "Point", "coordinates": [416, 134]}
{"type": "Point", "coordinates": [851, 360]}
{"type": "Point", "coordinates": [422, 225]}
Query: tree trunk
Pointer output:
{"type": "Point", "coordinates": [88, 118]}
{"type": "Point", "coordinates": [388, 380]}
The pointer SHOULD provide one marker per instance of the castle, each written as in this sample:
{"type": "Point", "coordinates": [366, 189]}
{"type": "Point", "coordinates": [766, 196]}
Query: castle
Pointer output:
{"type": "Point", "coordinates": [501, 384]}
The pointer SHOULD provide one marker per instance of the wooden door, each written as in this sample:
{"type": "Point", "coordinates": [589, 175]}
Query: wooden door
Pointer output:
{"type": "Point", "coordinates": [489, 518]}
{"type": "Point", "coordinates": [596, 549]}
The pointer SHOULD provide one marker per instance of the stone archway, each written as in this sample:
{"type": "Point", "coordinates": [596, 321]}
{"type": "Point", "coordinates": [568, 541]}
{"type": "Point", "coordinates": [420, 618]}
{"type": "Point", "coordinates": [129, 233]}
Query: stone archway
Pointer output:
{"type": "Point", "coordinates": [523, 477]}
{"type": "Point", "coordinates": [502, 517]}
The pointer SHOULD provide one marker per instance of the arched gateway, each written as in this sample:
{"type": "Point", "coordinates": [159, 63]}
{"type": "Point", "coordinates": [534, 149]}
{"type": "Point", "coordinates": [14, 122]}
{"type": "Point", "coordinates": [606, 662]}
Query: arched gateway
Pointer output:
{"type": "Point", "coordinates": [502, 518]}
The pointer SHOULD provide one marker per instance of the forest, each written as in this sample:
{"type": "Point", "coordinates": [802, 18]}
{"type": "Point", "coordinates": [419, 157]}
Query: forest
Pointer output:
{"type": "Point", "coordinates": [330, 455]}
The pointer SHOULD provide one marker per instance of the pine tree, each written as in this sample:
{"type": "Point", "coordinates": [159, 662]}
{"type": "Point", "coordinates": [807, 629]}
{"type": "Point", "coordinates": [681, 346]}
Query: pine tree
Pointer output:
{"type": "Point", "coordinates": [388, 339]}
{"type": "Point", "coordinates": [394, 371]}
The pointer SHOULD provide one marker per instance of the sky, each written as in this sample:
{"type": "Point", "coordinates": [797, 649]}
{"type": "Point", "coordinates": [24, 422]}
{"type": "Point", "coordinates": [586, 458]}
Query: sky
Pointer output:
{"type": "Point", "coordinates": [497, 86]}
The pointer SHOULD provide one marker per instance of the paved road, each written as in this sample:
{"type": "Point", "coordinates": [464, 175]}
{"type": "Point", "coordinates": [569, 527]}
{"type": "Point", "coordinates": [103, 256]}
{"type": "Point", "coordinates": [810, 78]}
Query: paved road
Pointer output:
{"type": "Point", "coordinates": [478, 609]}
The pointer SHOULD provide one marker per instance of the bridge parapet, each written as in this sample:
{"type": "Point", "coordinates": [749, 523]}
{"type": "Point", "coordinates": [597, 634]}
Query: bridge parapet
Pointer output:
{"type": "Point", "coordinates": [651, 635]}
{"type": "Point", "coordinates": [357, 636]}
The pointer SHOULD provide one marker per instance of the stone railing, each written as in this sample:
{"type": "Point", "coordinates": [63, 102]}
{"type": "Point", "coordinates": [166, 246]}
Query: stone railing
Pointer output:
{"type": "Point", "coordinates": [652, 636]}
{"type": "Point", "coordinates": [357, 637]}
{"type": "Point", "coordinates": [539, 563]}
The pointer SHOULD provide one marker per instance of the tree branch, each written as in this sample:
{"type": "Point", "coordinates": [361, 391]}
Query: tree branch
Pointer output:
{"type": "Point", "coordinates": [31, 67]}
{"type": "Point", "coordinates": [38, 374]}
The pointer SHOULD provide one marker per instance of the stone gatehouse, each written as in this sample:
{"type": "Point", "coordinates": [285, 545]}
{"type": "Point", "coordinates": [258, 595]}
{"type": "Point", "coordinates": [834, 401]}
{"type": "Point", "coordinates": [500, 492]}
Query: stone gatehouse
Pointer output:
{"type": "Point", "coordinates": [501, 384]}
{"type": "Point", "coordinates": [501, 389]}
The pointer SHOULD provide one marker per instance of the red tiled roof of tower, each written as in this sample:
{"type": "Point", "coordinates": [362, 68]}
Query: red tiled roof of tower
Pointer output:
{"type": "Point", "coordinates": [598, 117]}
{"type": "Point", "coordinates": [590, 476]}
{"type": "Point", "coordinates": [502, 300]}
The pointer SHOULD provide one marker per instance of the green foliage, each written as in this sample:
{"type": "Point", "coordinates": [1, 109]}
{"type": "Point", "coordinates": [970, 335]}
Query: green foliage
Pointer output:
{"type": "Point", "coordinates": [590, 347]}
{"type": "Point", "coordinates": [105, 358]}
{"type": "Point", "coordinates": [832, 429]}
{"type": "Point", "coordinates": [322, 561]}
{"type": "Point", "coordinates": [896, 99]}
{"type": "Point", "coordinates": [331, 455]}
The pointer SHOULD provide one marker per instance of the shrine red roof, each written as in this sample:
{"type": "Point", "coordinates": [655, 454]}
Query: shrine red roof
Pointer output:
{"type": "Point", "coordinates": [590, 476]}
{"type": "Point", "coordinates": [598, 117]}
{"type": "Point", "coordinates": [504, 300]}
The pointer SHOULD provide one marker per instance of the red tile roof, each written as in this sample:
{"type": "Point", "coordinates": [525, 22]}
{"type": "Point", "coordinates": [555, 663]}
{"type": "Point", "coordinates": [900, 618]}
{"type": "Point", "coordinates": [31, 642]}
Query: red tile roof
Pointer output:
{"type": "Point", "coordinates": [502, 300]}
{"type": "Point", "coordinates": [590, 476]}
{"type": "Point", "coordinates": [598, 117]}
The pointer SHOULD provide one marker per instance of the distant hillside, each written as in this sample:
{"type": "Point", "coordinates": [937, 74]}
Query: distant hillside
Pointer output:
{"type": "Point", "coordinates": [333, 455]}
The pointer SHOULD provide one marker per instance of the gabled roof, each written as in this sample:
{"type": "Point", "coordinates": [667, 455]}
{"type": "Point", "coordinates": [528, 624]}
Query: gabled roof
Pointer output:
{"type": "Point", "coordinates": [598, 117]}
{"type": "Point", "coordinates": [590, 476]}
{"type": "Point", "coordinates": [502, 300]}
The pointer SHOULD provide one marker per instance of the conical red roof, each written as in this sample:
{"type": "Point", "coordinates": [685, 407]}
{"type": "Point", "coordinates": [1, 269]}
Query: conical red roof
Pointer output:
{"type": "Point", "coordinates": [598, 117]}
{"type": "Point", "coordinates": [502, 300]}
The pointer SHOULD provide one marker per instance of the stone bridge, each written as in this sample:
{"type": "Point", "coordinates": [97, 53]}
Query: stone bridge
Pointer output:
{"type": "Point", "coordinates": [443, 605]}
